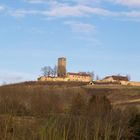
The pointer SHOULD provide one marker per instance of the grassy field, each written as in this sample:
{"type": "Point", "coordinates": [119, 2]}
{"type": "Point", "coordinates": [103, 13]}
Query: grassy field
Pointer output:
{"type": "Point", "coordinates": [119, 95]}
{"type": "Point", "coordinates": [69, 111]}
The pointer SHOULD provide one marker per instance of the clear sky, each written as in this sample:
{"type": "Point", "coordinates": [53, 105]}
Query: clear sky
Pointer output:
{"type": "Point", "coordinates": [94, 35]}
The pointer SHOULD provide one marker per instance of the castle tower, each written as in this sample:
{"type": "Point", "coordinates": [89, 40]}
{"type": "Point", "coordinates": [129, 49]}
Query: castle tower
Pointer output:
{"type": "Point", "coordinates": [61, 72]}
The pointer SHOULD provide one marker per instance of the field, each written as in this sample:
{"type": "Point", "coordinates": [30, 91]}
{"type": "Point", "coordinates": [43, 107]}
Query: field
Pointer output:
{"type": "Point", "coordinates": [118, 95]}
{"type": "Point", "coordinates": [69, 111]}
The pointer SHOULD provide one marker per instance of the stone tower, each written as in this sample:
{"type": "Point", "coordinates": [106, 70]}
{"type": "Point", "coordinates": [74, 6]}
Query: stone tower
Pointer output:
{"type": "Point", "coordinates": [61, 67]}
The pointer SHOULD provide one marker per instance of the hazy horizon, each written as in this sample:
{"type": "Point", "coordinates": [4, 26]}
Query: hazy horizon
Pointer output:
{"type": "Point", "coordinates": [94, 35]}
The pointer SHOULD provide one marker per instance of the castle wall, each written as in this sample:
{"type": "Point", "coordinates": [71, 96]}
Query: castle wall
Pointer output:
{"type": "Point", "coordinates": [110, 79]}
{"type": "Point", "coordinates": [69, 77]}
{"type": "Point", "coordinates": [134, 83]}
{"type": "Point", "coordinates": [43, 78]}
{"type": "Point", "coordinates": [78, 77]}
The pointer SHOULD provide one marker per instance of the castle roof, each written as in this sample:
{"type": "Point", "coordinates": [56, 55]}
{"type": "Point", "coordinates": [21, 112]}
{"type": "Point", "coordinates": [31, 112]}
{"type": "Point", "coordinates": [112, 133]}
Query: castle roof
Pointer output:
{"type": "Point", "coordinates": [78, 74]}
{"type": "Point", "coordinates": [118, 77]}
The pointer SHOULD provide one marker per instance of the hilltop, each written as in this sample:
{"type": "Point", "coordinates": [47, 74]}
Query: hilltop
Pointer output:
{"type": "Point", "coordinates": [119, 96]}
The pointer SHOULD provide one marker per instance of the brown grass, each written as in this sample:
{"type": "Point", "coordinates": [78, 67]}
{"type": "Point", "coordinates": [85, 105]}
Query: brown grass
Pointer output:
{"type": "Point", "coordinates": [57, 111]}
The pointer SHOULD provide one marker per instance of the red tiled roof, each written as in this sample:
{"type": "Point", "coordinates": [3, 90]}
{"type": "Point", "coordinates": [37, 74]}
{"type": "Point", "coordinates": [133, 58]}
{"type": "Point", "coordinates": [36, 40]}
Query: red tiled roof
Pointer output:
{"type": "Point", "coordinates": [78, 74]}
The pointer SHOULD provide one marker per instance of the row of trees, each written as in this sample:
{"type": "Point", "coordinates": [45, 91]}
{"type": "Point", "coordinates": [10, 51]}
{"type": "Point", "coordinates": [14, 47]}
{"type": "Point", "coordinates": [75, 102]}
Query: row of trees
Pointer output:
{"type": "Point", "coordinates": [49, 71]}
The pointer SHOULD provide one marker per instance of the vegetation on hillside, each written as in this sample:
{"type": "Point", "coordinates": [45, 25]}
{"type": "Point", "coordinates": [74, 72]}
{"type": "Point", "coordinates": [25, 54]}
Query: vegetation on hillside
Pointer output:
{"type": "Point", "coordinates": [45, 112]}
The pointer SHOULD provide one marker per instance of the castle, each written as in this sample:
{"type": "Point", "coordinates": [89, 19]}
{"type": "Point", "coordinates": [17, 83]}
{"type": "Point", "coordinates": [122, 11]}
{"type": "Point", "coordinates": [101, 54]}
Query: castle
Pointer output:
{"type": "Point", "coordinates": [62, 74]}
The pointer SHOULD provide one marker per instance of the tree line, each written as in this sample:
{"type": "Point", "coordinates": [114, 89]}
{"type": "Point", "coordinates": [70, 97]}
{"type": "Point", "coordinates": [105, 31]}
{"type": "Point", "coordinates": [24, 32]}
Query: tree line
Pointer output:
{"type": "Point", "coordinates": [49, 71]}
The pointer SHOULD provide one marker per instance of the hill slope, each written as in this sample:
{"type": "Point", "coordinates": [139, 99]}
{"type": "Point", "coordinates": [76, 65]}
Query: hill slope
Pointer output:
{"type": "Point", "coordinates": [36, 110]}
{"type": "Point", "coordinates": [117, 94]}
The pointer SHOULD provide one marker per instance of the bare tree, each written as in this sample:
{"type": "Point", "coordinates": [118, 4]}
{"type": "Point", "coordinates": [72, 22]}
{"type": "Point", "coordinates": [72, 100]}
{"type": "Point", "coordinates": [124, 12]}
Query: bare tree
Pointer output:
{"type": "Point", "coordinates": [55, 71]}
{"type": "Point", "coordinates": [49, 71]}
{"type": "Point", "coordinates": [46, 71]}
{"type": "Point", "coordinates": [97, 77]}
{"type": "Point", "coordinates": [128, 77]}
{"type": "Point", "coordinates": [92, 75]}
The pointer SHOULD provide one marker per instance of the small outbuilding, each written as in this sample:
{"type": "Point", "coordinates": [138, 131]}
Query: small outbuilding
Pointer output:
{"type": "Point", "coordinates": [115, 78]}
{"type": "Point", "coordinates": [91, 83]}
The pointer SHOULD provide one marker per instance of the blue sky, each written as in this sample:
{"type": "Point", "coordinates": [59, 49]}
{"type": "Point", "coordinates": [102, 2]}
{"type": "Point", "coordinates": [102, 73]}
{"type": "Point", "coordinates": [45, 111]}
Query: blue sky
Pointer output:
{"type": "Point", "coordinates": [94, 35]}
